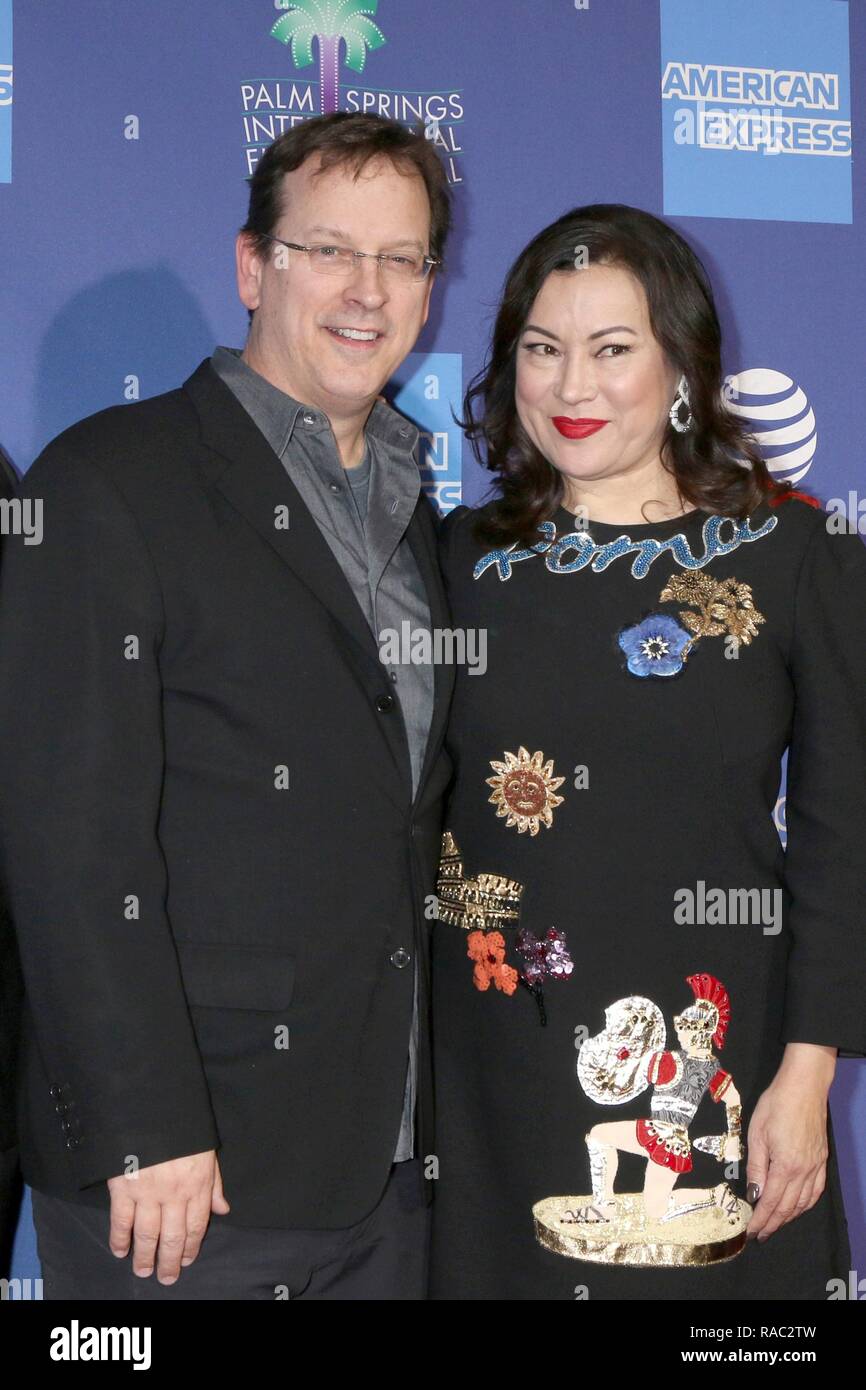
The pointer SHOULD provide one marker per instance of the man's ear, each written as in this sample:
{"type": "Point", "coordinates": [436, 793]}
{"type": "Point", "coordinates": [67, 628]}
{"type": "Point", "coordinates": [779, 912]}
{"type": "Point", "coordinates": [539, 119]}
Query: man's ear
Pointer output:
{"type": "Point", "coordinates": [248, 265]}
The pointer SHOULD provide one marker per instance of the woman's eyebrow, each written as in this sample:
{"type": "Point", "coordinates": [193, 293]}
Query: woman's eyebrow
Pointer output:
{"type": "Point", "coordinates": [599, 333]}
{"type": "Point", "coordinates": [617, 328]}
{"type": "Point", "coordinates": [534, 328]}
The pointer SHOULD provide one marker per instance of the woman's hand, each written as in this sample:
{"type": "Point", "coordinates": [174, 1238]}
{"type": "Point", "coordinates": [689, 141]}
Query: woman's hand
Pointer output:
{"type": "Point", "coordinates": [787, 1139]}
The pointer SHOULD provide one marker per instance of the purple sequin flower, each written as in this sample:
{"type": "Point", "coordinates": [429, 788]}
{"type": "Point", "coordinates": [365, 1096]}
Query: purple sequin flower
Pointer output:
{"type": "Point", "coordinates": [655, 646]}
{"type": "Point", "coordinates": [544, 959]}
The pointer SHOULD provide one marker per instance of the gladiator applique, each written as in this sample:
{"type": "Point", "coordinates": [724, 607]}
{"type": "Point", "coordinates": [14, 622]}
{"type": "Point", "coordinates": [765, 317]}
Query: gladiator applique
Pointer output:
{"type": "Point", "coordinates": [659, 645]}
{"type": "Point", "coordinates": [663, 1225]}
{"type": "Point", "coordinates": [484, 903]}
{"type": "Point", "coordinates": [524, 790]}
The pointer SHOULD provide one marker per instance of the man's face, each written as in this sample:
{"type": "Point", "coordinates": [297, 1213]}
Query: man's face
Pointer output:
{"type": "Point", "coordinates": [293, 339]}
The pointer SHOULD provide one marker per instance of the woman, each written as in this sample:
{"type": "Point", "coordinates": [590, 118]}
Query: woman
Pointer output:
{"type": "Point", "coordinates": [638, 996]}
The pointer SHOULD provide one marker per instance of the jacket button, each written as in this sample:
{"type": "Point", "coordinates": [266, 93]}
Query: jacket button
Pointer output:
{"type": "Point", "coordinates": [55, 1092]}
{"type": "Point", "coordinates": [72, 1142]}
{"type": "Point", "coordinates": [61, 1108]}
{"type": "Point", "coordinates": [401, 958]}
{"type": "Point", "coordinates": [384, 703]}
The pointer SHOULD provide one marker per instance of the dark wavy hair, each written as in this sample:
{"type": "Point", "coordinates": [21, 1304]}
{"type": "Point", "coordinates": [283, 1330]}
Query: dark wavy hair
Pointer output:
{"type": "Point", "coordinates": [684, 322]}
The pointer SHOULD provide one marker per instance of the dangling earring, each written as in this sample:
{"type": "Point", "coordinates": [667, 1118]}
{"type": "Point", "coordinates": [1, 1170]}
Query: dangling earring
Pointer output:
{"type": "Point", "coordinates": [681, 399]}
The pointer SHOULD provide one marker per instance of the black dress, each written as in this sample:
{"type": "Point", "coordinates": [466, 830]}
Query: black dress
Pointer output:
{"type": "Point", "coordinates": [623, 946]}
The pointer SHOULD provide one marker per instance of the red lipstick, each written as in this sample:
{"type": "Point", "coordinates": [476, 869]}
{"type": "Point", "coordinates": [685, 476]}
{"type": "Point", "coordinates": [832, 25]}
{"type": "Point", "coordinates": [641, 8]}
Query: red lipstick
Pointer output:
{"type": "Point", "coordinates": [576, 429]}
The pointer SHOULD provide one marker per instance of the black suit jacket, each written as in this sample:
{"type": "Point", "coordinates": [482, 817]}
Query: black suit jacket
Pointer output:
{"type": "Point", "coordinates": [211, 959]}
{"type": "Point", "coordinates": [10, 975]}
{"type": "Point", "coordinates": [10, 1015]}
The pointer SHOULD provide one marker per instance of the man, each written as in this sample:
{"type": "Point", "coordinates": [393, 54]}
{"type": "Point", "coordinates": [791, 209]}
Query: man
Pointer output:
{"type": "Point", "coordinates": [220, 811]}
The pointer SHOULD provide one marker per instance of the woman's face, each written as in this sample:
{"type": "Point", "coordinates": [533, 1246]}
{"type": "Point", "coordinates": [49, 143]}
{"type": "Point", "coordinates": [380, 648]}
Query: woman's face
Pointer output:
{"type": "Point", "coordinates": [587, 355]}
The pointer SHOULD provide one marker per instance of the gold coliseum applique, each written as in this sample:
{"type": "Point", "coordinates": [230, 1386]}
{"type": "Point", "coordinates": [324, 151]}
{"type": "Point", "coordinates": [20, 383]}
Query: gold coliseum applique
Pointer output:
{"type": "Point", "coordinates": [484, 906]}
{"type": "Point", "coordinates": [524, 790]}
{"type": "Point", "coordinates": [659, 645]}
{"type": "Point", "coordinates": [487, 902]}
{"type": "Point", "coordinates": [665, 1224]}
{"type": "Point", "coordinates": [575, 550]}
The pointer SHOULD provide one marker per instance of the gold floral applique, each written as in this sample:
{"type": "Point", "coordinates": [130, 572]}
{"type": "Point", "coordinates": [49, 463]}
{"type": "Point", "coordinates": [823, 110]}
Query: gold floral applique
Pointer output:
{"type": "Point", "coordinates": [724, 606]}
{"type": "Point", "coordinates": [659, 645]}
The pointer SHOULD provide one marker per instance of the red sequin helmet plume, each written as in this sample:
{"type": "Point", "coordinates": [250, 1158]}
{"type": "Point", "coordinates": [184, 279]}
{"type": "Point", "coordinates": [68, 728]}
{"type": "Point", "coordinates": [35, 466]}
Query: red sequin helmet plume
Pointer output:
{"type": "Point", "coordinates": [710, 991]}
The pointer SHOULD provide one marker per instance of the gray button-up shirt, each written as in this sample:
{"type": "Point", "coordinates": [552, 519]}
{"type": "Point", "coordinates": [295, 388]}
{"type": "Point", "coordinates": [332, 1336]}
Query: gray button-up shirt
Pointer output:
{"type": "Point", "coordinates": [363, 514]}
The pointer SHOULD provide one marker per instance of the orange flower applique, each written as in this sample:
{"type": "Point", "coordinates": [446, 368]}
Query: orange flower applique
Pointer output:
{"type": "Point", "coordinates": [487, 949]}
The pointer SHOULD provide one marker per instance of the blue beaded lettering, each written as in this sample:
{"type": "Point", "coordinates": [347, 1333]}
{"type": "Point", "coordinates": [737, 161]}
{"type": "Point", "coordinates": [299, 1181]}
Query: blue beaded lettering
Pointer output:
{"type": "Point", "coordinates": [504, 559]}
{"type": "Point", "coordinates": [645, 551]}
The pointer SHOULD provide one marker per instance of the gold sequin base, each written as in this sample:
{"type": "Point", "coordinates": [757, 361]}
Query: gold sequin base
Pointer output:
{"type": "Point", "coordinates": [695, 1239]}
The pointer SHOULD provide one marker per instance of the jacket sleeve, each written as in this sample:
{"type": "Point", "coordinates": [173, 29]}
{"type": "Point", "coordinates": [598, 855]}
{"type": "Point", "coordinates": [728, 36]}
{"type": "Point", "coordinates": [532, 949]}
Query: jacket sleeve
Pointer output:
{"type": "Point", "coordinates": [825, 862]}
{"type": "Point", "coordinates": [10, 973]}
{"type": "Point", "coordinates": [82, 759]}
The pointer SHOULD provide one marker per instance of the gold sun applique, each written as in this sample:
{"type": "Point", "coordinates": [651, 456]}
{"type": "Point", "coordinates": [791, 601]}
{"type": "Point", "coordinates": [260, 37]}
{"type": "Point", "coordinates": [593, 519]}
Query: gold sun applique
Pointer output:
{"type": "Point", "coordinates": [524, 790]}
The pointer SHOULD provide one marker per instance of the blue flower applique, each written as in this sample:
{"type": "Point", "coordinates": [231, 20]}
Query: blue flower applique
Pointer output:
{"type": "Point", "coordinates": [657, 646]}
{"type": "Point", "coordinates": [660, 646]}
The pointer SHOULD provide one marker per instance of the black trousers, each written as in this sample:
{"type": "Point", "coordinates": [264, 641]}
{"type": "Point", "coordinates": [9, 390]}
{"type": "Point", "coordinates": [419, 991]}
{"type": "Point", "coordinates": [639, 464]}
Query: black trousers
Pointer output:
{"type": "Point", "coordinates": [384, 1256]}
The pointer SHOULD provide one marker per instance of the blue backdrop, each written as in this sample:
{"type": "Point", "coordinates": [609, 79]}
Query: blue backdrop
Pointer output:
{"type": "Point", "coordinates": [126, 133]}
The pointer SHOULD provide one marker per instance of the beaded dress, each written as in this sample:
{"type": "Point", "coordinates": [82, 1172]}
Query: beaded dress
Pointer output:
{"type": "Point", "coordinates": [624, 946]}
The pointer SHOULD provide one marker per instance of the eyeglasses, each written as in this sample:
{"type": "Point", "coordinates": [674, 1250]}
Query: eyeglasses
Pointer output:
{"type": "Point", "coordinates": [341, 260]}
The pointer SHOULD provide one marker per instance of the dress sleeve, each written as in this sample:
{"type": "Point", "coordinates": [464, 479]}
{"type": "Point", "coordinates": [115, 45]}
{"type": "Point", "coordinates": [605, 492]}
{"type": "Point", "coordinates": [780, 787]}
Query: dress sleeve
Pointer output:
{"type": "Point", "coordinates": [825, 862]}
{"type": "Point", "coordinates": [446, 535]}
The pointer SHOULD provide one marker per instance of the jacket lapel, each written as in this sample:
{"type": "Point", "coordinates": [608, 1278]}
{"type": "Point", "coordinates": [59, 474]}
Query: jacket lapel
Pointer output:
{"type": "Point", "coordinates": [252, 478]}
{"type": "Point", "coordinates": [250, 475]}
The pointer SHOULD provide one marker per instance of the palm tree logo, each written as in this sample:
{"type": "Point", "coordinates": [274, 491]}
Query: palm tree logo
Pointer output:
{"type": "Point", "coordinates": [329, 22]}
